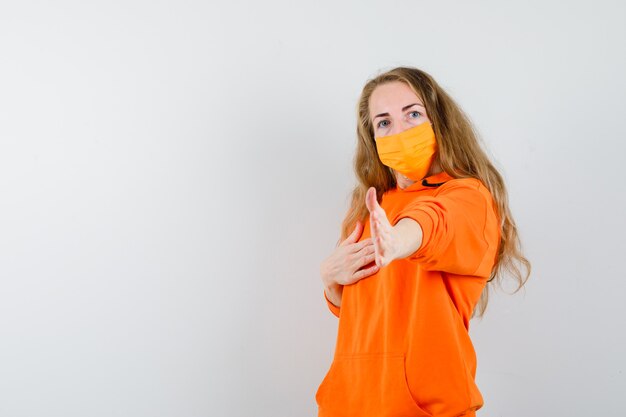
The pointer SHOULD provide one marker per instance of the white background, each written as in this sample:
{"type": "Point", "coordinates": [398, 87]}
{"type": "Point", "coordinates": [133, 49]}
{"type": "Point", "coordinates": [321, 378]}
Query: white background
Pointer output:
{"type": "Point", "coordinates": [172, 174]}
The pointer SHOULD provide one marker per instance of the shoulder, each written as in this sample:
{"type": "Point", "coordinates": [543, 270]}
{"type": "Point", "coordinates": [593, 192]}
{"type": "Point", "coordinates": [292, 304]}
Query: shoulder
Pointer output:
{"type": "Point", "coordinates": [470, 190]}
{"type": "Point", "coordinates": [463, 185]}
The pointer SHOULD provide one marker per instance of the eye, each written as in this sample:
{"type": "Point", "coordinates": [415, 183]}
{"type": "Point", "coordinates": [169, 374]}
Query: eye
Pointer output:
{"type": "Point", "coordinates": [380, 124]}
{"type": "Point", "coordinates": [415, 114]}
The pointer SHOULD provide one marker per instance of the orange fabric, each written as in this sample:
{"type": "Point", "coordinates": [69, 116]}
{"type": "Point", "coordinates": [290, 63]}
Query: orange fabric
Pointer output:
{"type": "Point", "coordinates": [403, 347]}
{"type": "Point", "coordinates": [409, 152]}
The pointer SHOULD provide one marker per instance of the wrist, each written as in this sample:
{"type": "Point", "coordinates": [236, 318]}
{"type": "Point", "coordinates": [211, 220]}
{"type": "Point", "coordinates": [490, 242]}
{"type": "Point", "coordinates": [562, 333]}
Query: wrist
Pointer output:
{"type": "Point", "coordinates": [332, 286]}
{"type": "Point", "coordinates": [334, 294]}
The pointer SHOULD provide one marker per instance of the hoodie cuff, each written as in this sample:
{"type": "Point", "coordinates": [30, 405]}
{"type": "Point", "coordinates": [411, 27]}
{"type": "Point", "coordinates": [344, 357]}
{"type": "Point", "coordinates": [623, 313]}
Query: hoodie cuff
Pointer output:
{"type": "Point", "coordinates": [425, 220]}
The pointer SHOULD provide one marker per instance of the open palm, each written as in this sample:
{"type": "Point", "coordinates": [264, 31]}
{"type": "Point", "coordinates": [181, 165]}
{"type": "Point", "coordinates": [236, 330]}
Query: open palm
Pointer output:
{"type": "Point", "coordinates": [384, 236]}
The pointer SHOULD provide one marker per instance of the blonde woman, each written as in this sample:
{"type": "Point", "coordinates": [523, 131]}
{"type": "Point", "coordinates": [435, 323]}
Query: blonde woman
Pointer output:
{"type": "Point", "coordinates": [428, 232]}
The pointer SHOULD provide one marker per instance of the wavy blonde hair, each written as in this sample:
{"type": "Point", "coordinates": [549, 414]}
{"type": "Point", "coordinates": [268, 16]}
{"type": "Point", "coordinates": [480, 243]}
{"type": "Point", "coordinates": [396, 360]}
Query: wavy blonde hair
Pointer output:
{"type": "Point", "coordinates": [459, 154]}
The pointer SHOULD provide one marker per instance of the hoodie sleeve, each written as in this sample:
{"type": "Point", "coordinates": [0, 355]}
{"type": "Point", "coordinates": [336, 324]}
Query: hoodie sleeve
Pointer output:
{"type": "Point", "coordinates": [461, 230]}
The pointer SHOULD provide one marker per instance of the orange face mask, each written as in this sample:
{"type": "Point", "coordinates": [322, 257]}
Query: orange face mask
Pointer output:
{"type": "Point", "coordinates": [409, 152]}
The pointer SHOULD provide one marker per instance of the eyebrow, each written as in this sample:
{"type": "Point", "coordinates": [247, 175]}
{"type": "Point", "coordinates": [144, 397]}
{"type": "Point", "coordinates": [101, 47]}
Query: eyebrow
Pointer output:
{"type": "Point", "coordinates": [403, 109]}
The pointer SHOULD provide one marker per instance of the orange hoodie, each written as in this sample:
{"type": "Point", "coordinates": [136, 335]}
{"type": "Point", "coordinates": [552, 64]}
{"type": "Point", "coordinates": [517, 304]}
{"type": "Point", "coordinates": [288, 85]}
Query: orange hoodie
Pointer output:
{"type": "Point", "coordinates": [403, 347]}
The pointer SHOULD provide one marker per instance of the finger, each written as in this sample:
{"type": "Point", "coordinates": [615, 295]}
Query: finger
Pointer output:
{"type": "Point", "coordinates": [364, 260]}
{"type": "Point", "coordinates": [354, 236]}
{"type": "Point", "coordinates": [373, 226]}
{"type": "Point", "coordinates": [355, 247]}
{"type": "Point", "coordinates": [375, 236]}
{"type": "Point", "coordinates": [374, 206]}
{"type": "Point", "coordinates": [380, 254]}
{"type": "Point", "coordinates": [370, 199]}
{"type": "Point", "coordinates": [380, 246]}
{"type": "Point", "coordinates": [379, 220]}
{"type": "Point", "coordinates": [374, 221]}
{"type": "Point", "coordinates": [362, 273]}
{"type": "Point", "coordinates": [365, 250]}
{"type": "Point", "coordinates": [367, 199]}
{"type": "Point", "coordinates": [359, 261]}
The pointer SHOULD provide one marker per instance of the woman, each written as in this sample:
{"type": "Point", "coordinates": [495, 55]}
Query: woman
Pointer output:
{"type": "Point", "coordinates": [428, 229]}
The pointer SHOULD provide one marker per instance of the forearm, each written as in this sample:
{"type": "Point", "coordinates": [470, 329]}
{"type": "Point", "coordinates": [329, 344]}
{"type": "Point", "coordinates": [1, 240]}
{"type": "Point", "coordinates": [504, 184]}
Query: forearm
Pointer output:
{"type": "Point", "coordinates": [409, 234]}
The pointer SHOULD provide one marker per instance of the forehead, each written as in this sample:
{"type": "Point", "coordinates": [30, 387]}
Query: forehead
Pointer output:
{"type": "Point", "coordinates": [392, 96]}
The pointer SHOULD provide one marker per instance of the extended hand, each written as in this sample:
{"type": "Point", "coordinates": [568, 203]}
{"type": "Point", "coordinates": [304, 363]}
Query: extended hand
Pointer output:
{"type": "Point", "coordinates": [384, 236]}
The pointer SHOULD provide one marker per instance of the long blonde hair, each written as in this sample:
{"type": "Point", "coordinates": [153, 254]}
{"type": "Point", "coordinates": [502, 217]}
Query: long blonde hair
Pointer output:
{"type": "Point", "coordinates": [459, 154]}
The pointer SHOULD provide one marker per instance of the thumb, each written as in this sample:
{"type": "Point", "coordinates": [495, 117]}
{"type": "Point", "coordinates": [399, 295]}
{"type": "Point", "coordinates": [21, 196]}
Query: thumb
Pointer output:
{"type": "Point", "coordinates": [354, 236]}
{"type": "Point", "coordinates": [370, 199]}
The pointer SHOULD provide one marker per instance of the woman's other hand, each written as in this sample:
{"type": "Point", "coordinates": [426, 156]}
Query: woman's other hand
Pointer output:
{"type": "Point", "coordinates": [346, 264]}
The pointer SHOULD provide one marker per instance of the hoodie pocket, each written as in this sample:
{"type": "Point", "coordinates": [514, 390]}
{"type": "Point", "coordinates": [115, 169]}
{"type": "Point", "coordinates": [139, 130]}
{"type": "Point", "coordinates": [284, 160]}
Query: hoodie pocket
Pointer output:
{"type": "Point", "coordinates": [367, 385]}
